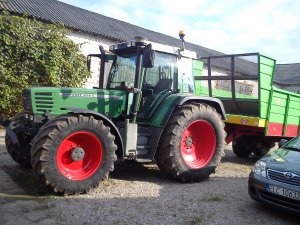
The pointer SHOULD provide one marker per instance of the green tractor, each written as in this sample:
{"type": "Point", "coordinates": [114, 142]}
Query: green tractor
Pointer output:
{"type": "Point", "coordinates": [144, 110]}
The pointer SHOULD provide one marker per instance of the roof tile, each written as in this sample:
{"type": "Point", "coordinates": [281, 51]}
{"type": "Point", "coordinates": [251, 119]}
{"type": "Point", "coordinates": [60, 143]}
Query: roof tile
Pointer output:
{"type": "Point", "coordinates": [94, 23]}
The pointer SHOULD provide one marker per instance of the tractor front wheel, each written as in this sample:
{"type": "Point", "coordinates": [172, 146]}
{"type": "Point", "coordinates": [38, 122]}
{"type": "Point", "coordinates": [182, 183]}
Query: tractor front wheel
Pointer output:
{"type": "Point", "coordinates": [192, 144]}
{"type": "Point", "coordinates": [20, 152]}
{"type": "Point", "coordinates": [71, 154]}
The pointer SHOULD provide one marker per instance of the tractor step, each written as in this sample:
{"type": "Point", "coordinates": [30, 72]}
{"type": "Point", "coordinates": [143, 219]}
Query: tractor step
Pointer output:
{"type": "Point", "coordinates": [143, 149]}
{"type": "Point", "coordinates": [143, 138]}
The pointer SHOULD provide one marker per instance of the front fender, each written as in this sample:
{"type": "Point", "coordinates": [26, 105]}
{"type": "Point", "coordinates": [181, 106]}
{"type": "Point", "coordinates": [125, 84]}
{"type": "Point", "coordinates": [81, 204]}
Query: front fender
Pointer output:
{"type": "Point", "coordinates": [106, 121]}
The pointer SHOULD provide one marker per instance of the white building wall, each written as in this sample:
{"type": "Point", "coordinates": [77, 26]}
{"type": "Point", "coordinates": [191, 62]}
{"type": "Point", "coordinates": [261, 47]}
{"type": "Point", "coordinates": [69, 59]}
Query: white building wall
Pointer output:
{"type": "Point", "coordinates": [253, 85]}
{"type": "Point", "coordinates": [89, 44]}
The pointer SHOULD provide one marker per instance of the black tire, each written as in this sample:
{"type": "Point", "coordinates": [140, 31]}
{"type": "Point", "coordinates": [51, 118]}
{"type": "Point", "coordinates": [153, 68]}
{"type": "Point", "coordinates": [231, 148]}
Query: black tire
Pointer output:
{"type": "Point", "coordinates": [243, 146]}
{"type": "Point", "coordinates": [261, 151]}
{"type": "Point", "coordinates": [83, 131]}
{"type": "Point", "coordinates": [170, 153]}
{"type": "Point", "coordinates": [19, 152]}
{"type": "Point", "coordinates": [263, 147]}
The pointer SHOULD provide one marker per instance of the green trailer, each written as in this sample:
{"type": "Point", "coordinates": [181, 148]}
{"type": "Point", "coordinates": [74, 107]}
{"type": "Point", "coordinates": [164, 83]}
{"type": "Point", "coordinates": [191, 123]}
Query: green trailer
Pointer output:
{"type": "Point", "coordinates": [258, 113]}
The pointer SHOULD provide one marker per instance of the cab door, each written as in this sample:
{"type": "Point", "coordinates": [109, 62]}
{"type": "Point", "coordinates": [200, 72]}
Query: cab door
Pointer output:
{"type": "Point", "coordinates": [158, 83]}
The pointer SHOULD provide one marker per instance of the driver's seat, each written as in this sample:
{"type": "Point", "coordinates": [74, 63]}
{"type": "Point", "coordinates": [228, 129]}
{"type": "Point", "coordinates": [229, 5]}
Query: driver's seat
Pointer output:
{"type": "Point", "coordinates": [163, 84]}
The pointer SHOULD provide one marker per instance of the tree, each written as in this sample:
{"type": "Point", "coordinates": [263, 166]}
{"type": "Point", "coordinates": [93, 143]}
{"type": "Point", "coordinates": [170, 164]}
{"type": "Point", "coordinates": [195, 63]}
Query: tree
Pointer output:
{"type": "Point", "coordinates": [34, 53]}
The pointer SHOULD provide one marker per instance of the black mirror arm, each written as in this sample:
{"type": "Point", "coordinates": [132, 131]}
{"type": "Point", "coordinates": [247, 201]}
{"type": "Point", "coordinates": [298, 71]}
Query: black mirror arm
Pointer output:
{"type": "Point", "coordinates": [88, 63]}
{"type": "Point", "coordinates": [102, 67]}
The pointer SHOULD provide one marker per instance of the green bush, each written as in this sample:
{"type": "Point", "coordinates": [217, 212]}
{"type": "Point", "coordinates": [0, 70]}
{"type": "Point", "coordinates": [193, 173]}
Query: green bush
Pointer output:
{"type": "Point", "coordinates": [33, 53]}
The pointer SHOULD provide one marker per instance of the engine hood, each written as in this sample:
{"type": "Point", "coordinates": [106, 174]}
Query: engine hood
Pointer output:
{"type": "Point", "coordinates": [284, 160]}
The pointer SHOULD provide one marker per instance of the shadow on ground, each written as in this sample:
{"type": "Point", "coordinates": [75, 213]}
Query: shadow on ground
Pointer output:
{"type": "Point", "coordinates": [231, 158]}
{"type": "Point", "coordinates": [136, 194]}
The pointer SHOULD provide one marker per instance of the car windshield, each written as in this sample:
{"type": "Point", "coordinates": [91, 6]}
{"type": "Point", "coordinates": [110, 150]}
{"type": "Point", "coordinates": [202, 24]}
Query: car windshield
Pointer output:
{"type": "Point", "coordinates": [294, 144]}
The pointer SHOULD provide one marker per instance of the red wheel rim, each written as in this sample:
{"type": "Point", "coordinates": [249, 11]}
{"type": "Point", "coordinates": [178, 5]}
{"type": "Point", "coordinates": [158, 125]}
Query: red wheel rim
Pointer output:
{"type": "Point", "coordinates": [198, 144]}
{"type": "Point", "coordinates": [88, 165]}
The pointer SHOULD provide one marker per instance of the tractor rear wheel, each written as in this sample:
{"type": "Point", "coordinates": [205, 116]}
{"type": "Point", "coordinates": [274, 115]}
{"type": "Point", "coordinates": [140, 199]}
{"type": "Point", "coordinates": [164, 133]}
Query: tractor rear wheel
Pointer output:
{"type": "Point", "coordinates": [192, 143]}
{"type": "Point", "coordinates": [72, 154]}
{"type": "Point", "coordinates": [243, 146]}
{"type": "Point", "coordinates": [19, 152]}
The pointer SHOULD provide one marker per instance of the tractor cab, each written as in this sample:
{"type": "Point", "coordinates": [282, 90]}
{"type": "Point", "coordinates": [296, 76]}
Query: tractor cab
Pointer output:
{"type": "Point", "coordinates": [147, 72]}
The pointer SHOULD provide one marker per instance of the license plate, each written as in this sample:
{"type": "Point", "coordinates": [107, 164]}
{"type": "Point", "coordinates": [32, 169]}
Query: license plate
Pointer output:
{"type": "Point", "coordinates": [283, 192]}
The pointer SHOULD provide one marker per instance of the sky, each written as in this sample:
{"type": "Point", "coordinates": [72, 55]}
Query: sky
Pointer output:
{"type": "Point", "coordinates": [270, 27]}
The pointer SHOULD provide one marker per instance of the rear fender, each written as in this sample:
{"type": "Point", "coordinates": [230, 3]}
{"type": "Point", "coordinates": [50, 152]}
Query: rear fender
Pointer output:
{"type": "Point", "coordinates": [164, 112]}
{"type": "Point", "coordinates": [213, 102]}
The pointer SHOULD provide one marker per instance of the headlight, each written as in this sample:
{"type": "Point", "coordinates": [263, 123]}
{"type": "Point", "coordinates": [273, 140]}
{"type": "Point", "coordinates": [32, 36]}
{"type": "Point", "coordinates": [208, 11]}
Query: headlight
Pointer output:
{"type": "Point", "coordinates": [260, 168]}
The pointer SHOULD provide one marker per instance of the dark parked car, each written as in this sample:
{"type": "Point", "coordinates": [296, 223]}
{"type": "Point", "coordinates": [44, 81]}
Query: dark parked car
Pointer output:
{"type": "Point", "coordinates": [275, 178]}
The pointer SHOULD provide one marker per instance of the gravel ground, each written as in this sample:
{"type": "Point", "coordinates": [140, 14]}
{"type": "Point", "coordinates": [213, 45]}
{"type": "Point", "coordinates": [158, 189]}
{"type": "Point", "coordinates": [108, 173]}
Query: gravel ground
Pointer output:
{"type": "Point", "coordinates": [137, 194]}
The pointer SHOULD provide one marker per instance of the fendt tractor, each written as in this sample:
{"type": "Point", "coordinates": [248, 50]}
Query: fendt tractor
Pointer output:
{"type": "Point", "coordinates": [145, 109]}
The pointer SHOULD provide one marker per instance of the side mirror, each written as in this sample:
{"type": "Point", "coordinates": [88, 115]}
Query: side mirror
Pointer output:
{"type": "Point", "coordinates": [282, 142]}
{"type": "Point", "coordinates": [148, 56]}
{"type": "Point", "coordinates": [88, 63]}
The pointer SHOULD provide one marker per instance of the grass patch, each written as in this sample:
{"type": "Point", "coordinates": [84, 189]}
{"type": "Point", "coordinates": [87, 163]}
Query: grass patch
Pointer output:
{"type": "Point", "coordinates": [195, 220]}
{"type": "Point", "coordinates": [213, 198]}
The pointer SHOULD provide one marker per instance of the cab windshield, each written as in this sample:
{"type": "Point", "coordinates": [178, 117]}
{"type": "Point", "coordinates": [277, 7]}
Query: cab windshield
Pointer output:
{"type": "Point", "coordinates": [122, 72]}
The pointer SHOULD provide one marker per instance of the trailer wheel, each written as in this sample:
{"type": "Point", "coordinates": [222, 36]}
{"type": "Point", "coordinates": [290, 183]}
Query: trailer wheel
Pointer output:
{"type": "Point", "coordinates": [19, 152]}
{"type": "Point", "coordinates": [261, 151]}
{"type": "Point", "coordinates": [263, 147]}
{"type": "Point", "coordinates": [72, 154]}
{"type": "Point", "coordinates": [243, 146]}
{"type": "Point", "coordinates": [192, 143]}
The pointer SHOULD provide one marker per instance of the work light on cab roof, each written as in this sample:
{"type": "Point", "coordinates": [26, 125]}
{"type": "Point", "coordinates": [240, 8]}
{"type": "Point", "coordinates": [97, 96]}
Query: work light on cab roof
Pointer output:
{"type": "Point", "coordinates": [181, 36]}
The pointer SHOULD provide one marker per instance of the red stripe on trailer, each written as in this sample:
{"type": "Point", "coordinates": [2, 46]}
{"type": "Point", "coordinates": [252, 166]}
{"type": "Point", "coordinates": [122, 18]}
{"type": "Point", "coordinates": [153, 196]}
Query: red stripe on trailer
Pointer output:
{"type": "Point", "coordinates": [291, 130]}
{"type": "Point", "coordinates": [275, 129]}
